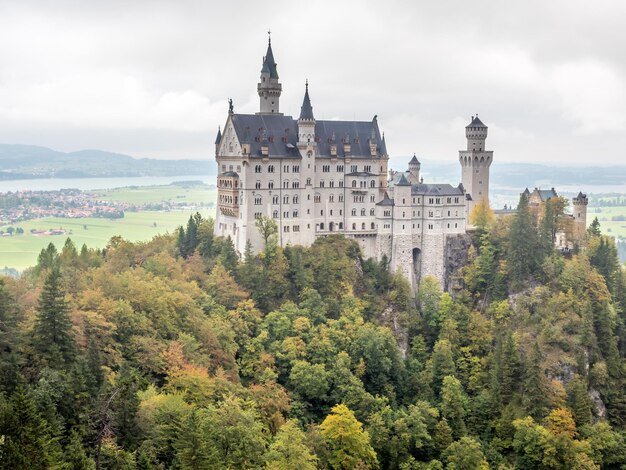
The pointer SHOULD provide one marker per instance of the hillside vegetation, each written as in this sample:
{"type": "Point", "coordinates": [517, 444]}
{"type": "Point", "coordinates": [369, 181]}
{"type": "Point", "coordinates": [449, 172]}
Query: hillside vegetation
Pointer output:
{"type": "Point", "coordinates": [174, 354]}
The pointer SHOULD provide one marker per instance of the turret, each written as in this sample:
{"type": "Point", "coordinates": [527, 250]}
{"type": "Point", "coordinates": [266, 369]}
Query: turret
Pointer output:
{"type": "Point", "coordinates": [414, 170]}
{"type": "Point", "coordinates": [306, 121]}
{"type": "Point", "coordinates": [269, 88]}
{"type": "Point", "coordinates": [218, 139]}
{"type": "Point", "coordinates": [579, 204]}
{"type": "Point", "coordinates": [475, 163]}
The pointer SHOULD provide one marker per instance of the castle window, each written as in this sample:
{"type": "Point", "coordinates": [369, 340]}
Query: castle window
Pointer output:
{"type": "Point", "coordinates": [456, 200]}
{"type": "Point", "coordinates": [275, 199]}
{"type": "Point", "coordinates": [353, 226]}
{"type": "Point", "coordinates": [449, 200]}
{"type": "Point", "coordinates": [448, 213]}
{"type": "Point", "coordinates": [341, 184]}
{"type": "Point", "coordinates": [331, 198]}
{"type": "Point", "coordinates": [270, 169]}
{"type": "Point", "coordinates": [373, 198]}
{"type": "Point", "coordinates": [257, 201]}
{"type": "Point", "coordinates": [286, 184]}
{"type": "Point", "coordinates": [354, 183]}
{"type": "Point", "coordinates": [295, 214]}
{"type": "Point", "coordinates": [286, 168]}
{"type": "Point", "coordinates": [413, 202]}
{"type": "Point", "coordinates": [308, 181]}
{"type": "Point", "coordinates": [286, 214]}
{"type": "Point", "coordinates": [317, 198]}
{"type": "Point", "coordinates": [362, 212]}
{"type": "Point", "coordinates": [286, 229]}
{"type": "Point", "coordinates": [371, 211]}
{"type": "Point", "coordinates": [340, 212]}
{"type": "Point", "coordinates": [340, 225]}
{"type": "Point", "coordinates": [322, 184]}
{"type": "Point", "coordinates": [354, 168]}
{"type": "Point", "coordinates": [353, 211]}
{"type": "Point", "coordinates": [257, 185]}
{"type": "Point", "coordinates": [341, 198]}
{"type": "Point", "coordinates": [448, 225]}
{"type": "Point", "coordinates": [367, 168]}
{"type": "Point", "coordinates": [402, 227]}
{"type": "Point", "coordinates": [431, 200]}
{"type": "Point", "coordinates": [295, 184]}
{"type": "Point", "coordinates": [373, 184]}
{"type": "Point", "coordinates": [257, 215]}
{"type": "Point", "coordinates": [322, 226]}
{"type": "Point", "coordinates": [257, 169]}
{"type": "Point", "coordinates": [296, 228]}
{"type": "Point", "coordinates": [387, 213]}
{"type": "Point", "coordinates": [270, 185]}
{"type": "Point", "coordinates": [331, 212]}
{"type": "Point", "coordinates": [295, 199]}
{"type": "Point", "coordinates": [339, 168]}
{"type": "Point", "coordinates": [363, 226]}
{"type": "Point", "coordinates": [285, 199]}
{"type": "Point", "coordinates": [363, 184]}
{"type": "Point", "coordinates": [455, 225]}
{"type": "Point", "coordinates": [403, 214]}
{"type": "Point", "coordinates": [325, 168]}
{"type": "Point", "coordinates": [331, 184]}
{"type": "Point", "coordinates": [438, 201]}
{"type": "Point", "coordinates": [295, 169]}
{"type": "Point", "coordinates": [275, 214]}
{"type": "Point", "coordinates": [373, 226]}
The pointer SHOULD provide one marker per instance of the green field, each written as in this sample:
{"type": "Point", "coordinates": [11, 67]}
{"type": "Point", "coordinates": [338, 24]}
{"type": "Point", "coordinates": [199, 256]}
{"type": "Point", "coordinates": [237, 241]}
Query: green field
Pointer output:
{"type": "Point", "coordinates": [604, 214]}
{"type": "Point", "coordinates": [195, 194]}
{"type": "Point", "coordinates": [20, 251]}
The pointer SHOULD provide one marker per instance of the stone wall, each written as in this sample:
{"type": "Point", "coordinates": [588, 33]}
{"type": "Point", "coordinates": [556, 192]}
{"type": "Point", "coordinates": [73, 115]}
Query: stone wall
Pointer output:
{"type": "Point", "coordinates": [457, 247]}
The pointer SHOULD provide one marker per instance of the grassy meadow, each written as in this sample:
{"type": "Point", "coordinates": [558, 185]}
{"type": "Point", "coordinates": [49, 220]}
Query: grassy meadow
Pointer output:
{"type": "Point", "coordinates": [20, 251]}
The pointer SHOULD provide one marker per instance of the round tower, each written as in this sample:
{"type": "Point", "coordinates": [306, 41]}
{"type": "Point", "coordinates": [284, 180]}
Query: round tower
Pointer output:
{"type": "Point", "coordinates": [269, 88]}
{"type": "Point", "coordinates": [579, 204]}
{"type": "Point", "coordinates": [475, 163]}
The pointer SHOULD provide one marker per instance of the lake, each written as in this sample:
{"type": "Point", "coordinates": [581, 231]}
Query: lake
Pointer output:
{"type": "Point", "coordinates": [54, 184]}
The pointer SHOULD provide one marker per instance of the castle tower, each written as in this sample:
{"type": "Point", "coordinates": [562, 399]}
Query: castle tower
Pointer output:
{"type": "Point", "coordinates": [306, 121]}
{"type": "Point", "coordinates": [475, 163]}
{"type": "Point", "coordinates": [269, 88]}
{"type": "Point", "coordinates": [414, 170]}
{"type": "Point", "coordinates": [579, 204]}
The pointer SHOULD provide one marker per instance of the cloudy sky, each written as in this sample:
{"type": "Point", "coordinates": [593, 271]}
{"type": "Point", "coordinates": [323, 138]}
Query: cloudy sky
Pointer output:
{"type": "Point", "coordinates": [152, 78]}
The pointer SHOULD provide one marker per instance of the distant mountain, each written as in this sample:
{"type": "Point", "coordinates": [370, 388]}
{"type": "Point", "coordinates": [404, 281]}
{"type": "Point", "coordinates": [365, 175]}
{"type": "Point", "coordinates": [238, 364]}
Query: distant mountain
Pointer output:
{"type": "Point", "coordinates": [30, 161]}
{"type": "Point", "coordinates": [522, 175]}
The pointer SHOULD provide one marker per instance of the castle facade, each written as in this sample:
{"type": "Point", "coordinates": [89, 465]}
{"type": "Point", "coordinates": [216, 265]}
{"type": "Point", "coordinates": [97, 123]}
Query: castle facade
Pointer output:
{"type": "Point", "coordinates": [316, 178]}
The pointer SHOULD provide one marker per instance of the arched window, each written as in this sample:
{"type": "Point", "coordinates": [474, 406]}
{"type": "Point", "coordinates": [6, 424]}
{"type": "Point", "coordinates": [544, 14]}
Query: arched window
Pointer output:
{"type": "Point", "coordinates": [363, 226]}
{"type": "Point", "coordinates": [353, 226]}
{"type": "Point", "coordinates": [353, 211]}
{"type": "Point", "coordinates": [372, 184]}
{"type": "Point", "coordinates": [340, 225]}
{"type": "Point", "coordinates": [373, 226]}
{"type": "Point", "coordinates": [322, 226]}
{"type": "Point", "coordinates": [257, 185]}
{"type": "Point", "coordinates": [275, 214]}
{"type": "Point", "coordinates": [354, 183]}
{"type": "Point", "coordinates": [371, 211]}
{"type": "Point", "coordinates": [362, 212]}
{"type": "Point", "coordinates": [270, 169]}
{"type": "Point", "coordinates": [308, 181]}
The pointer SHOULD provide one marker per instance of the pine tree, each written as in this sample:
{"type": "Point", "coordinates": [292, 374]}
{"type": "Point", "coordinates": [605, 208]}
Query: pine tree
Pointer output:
{"type": "Point", "coordinates": [53, 336]}
{"type": "Point", "coordinates": [125, 406]}
{"type": "Point", "coordinates": [26, 443]}
{"type": "Point", "coordinates": [535, 389]}
{"type": "Point", "coordinates": [9, 339]}
{"type": "Point", "coordinates": [75, 456]}
{"type": "Point", "coordinates": [523, 253]}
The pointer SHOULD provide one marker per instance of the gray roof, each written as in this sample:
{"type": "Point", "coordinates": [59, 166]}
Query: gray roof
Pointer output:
{"type": "Point", "coordinates": [306, 111]}
{"type": "Point", "coordinates": [476, 122]}
{"type": "Point", "coordinates": [269, 65]}
{"type": "Point", "coordinates": [414, 161]}
{"type": "Point", "coordinates": [546, 194]}
{"type": "Point", "coordinates": [229, 173]}
{"type": "Point", "coordinates": [387, 201]}
{"type": "Point", "coordinates": [361, 173]}
{"type": "Point", "coordinates": [436, 190]}
{"type": "Point", "coordinates": [281, 133]}
{"type": "Point", "coordinates": [382, 149]}
{"type": "Point", "coordinates": [581, 195]}
{"type": "Point", "coordinates": [218, 139]}
{"type": "Point", "coordinates": [403, 181]}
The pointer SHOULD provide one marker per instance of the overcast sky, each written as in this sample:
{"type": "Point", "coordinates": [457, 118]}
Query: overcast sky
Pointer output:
{"type": "Point", "coordinates": [152, 78]}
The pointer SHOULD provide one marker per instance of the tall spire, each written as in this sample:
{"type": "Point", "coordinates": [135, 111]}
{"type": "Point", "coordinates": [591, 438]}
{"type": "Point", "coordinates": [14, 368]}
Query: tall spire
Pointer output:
{"type": "Point", "coordinates": [269, 65]}
{"type": "Point", "coordinates": [306, 111]}
{"type": "Point", "coordinates": [383, 146]}
{"type": "Point", "coordinates": [269, 88]}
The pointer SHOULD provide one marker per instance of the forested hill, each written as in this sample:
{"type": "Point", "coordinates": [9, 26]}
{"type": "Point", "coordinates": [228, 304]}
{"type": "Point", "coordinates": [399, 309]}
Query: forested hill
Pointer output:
{"type": "Point", "coordinates": [29, 161]}
{"type": "Point", "coordinates": [172, 354]}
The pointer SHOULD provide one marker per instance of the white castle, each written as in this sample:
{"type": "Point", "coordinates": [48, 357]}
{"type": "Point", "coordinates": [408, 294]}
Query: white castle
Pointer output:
{"type": "Point", "coordinates": [316, 178]}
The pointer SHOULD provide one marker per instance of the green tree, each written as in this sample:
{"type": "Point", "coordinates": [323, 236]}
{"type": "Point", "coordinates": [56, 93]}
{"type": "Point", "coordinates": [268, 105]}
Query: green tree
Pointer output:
{"type": "Point", "coordinates": [523, 254]}
{"type": "Point", "coordinates": [465, 454]}
{"type": "Point", "coordinates": [535, 391]}
{"type": "Point", "coordinates": [53, 335]}
{"type": "Point", "coordinates": [454, 405]}
{"type": "Point", "coordinates": [349, 445]}
{"type": "Point", "coordinates": [289, 450]}
{"type": "Point", "coordinates": [75, 456]}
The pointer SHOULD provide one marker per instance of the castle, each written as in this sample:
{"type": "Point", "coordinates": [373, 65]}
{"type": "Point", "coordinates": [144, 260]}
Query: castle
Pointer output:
{"type": "Point", "coordinates": [317, 177]}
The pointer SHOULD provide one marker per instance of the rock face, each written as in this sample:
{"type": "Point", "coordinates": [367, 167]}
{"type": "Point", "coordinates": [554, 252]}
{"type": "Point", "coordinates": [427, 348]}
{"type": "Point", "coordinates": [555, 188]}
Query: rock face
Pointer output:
{"type": "Point", "coordinates": [455, 257]}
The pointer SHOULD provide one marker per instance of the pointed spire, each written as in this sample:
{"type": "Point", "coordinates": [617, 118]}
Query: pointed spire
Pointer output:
{"type": "Point", "coordinates": [414, 161]}
{"type": "Point", "coordinates": [218, 139]}
{"type": "Point", "coordinates": [306, 111]}
{"type": "Point", "coordinates": [383, 146]}
{"type": "Point", "coordinates": [269, 65]}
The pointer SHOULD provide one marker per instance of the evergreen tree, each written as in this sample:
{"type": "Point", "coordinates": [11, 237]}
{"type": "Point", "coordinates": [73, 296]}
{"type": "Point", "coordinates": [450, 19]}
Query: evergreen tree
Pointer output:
{"type": "Point", "coordinates": [125, 406]}
{"type": "Point", "coordinates": [9, 339]}
{"type": "Point", "coordinates": [535, 389]}
{"type": "Point", "coordinates": [454, 405]}
{"type": "Point", "coordinates": [75, 456]}
{"type": "Point", "coordinates": [25, 442]}
{"type": "Point", "coordinates": [594, 228]}
{"type": "Point", "coordinates": [523, 254]}
{"type": "Point", "coordinates": [53, 335]}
